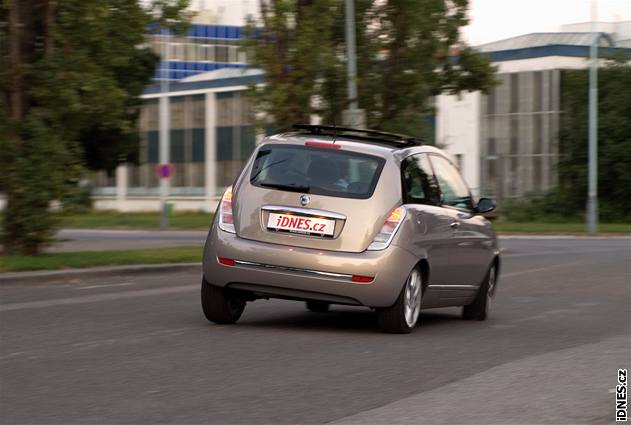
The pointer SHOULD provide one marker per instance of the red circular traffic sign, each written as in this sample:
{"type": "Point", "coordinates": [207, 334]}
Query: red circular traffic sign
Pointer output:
{"type": "Point", "coordinates": [164, 171]}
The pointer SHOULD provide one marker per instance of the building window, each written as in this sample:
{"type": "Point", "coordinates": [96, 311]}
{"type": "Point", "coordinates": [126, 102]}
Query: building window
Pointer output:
{"type": "Point", "coordinates": [186, 146]}
{"type": "Point", "coordinates": [514, 93]}
{"type": "Point", "coordinates": [235, 136]}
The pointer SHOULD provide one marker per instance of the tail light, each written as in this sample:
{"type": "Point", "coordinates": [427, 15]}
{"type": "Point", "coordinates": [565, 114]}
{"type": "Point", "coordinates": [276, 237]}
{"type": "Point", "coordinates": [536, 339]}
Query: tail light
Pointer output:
{"type": "Point", "coordinates": [226, 219]}
{"type": "Point", "coordinates": [388, 230]}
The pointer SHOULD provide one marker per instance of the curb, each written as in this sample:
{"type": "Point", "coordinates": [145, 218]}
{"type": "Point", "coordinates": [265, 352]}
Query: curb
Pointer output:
{"type": "Point", "coordinates": [61, 275]}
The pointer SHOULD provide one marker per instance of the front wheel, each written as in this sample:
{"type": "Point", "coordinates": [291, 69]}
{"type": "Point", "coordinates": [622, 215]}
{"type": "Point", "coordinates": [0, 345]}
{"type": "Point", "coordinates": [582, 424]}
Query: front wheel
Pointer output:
{"type": "Point", "coordinates": [403, 315]}
{"type": "Point", "coordinates": [220, 305]}
{"type": "Point", "coordinates": [479, 308]}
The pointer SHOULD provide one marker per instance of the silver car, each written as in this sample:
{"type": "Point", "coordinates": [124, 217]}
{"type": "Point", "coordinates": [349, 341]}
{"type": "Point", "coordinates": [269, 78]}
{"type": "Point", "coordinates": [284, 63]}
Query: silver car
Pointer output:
{"type": "Point", "coordinates": [329, 215]}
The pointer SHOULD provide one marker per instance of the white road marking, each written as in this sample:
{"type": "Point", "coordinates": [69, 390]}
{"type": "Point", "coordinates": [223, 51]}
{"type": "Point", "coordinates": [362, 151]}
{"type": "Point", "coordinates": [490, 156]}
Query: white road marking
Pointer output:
{"type": "Point", "coordinates": [541, 269]}
{"type": "Point", "coordinates": [104, 286]}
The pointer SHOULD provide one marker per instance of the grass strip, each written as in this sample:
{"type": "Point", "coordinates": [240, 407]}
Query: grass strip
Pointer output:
{"type": "Point", "coordinates": [67, 260]}
{"type": "Point", "coordinates": [140, 220]}
{"type": "Point", "coordinates": [557, 228]}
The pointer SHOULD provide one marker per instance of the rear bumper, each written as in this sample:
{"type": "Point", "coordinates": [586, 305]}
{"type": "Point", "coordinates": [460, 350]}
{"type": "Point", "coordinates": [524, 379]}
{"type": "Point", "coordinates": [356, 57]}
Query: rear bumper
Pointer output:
{"type": "Point", "coordinates": [302, 273]}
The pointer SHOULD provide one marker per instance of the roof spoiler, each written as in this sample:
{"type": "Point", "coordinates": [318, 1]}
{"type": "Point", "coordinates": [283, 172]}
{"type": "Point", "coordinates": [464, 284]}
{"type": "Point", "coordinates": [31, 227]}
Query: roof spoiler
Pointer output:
{"type": "Point", "coordinates": [368, 136]}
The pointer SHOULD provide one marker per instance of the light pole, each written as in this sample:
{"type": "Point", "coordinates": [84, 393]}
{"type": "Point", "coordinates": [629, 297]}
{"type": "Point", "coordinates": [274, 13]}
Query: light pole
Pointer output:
{"type": "Point", "coordinates": [592, 180]}
{"type": "Point", "coordinates": [352, 117]}
{"type": "Point", "coordinates": [165, 124]}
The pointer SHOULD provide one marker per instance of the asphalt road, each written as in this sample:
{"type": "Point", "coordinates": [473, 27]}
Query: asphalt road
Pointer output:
{"type": "Point", "coordinates": [138, 350]}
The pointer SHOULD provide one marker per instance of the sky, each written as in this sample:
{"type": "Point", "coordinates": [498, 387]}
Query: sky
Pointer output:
{"type": "Point", "coordinates": [490, 20]}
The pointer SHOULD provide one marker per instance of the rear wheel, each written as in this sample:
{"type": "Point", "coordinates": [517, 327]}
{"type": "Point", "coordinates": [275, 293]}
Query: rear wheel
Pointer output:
{"type": "Point", "coordinates": [318, 306]}
{"type": "Point", "coordinates": [220, 305]}
{"type": "Point", "coordinates": [478, 309]}
{"type": "Point", "coordinates": [403, 315]}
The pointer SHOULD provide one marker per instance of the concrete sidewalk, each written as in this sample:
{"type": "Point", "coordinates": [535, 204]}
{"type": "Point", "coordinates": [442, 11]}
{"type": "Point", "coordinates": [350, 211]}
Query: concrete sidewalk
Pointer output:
{"type": "Point", "coordinates": [567, 386]}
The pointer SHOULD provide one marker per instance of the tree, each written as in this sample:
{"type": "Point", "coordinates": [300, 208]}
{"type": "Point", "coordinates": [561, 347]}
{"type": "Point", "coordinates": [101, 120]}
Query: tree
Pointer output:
{"type": "Point", "coordinates": [73, 70]}
{"type": "Point", "coordinates": [408, 51]}
{"type": "Point", "coordinates": [614, 140]}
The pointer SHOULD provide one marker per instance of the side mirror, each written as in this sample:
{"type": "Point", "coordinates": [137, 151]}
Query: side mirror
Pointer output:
{"type": "Point", "coordinates": [485, 205]}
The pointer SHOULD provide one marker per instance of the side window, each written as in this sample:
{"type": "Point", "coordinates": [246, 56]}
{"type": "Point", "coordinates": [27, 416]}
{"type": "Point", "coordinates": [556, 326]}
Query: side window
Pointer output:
{"type": "Point", "coordinates": [419, 186]}
{"type": "Point", "coordinates": [455, 191]}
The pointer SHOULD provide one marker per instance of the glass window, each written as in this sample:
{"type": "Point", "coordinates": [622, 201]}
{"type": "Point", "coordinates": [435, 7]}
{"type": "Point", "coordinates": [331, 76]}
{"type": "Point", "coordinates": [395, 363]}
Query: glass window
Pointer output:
{"type": "Point", "coordinates": [454, 191]}
{"type": "Point", "coordinates": [419, 185]}
{"type": "Point", "coordinates": [221, 54]}
{"type": "Point", "coordinates": [317, 170]}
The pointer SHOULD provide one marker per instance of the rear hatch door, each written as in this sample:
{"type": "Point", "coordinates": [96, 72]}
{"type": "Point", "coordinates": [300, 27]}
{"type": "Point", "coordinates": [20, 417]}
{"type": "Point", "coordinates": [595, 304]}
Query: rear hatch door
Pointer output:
{"type": "Point", "coordinates": [315, 195]}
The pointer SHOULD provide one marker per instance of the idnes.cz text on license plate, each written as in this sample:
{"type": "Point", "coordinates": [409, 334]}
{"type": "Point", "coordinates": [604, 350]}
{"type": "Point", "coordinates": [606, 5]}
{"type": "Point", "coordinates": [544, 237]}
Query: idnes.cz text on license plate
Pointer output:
{"type": "Point", "coordinates": [302, 225]}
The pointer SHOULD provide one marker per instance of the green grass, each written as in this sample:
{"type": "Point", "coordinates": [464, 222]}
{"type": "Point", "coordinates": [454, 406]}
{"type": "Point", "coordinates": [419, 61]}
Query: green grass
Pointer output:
{"type": "Point", "coordinates": [143, 220]}
{"type": "Point", "coordinates": [66, 260]}
{"type": "Point", "coordinates": [557, 228]}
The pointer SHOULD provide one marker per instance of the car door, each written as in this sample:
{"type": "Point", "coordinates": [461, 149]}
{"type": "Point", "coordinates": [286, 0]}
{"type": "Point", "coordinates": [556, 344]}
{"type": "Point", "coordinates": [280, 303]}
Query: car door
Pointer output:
{"type": "Point", "coordinates": [471, 253]}
{"type": "Point", "coordinates": [431, 236]}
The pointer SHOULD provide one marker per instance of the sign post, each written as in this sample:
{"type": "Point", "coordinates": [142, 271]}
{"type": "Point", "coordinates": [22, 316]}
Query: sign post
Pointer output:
{"type": "Point", "coordinates": [164, 172]}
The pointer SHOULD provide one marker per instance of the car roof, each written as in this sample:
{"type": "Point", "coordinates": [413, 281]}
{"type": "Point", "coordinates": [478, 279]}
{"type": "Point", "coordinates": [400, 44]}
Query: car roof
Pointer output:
{"type": "Point", "coordinates": [348, 142]}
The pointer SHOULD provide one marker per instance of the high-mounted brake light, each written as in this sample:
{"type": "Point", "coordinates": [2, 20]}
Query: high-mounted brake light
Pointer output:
{"type": "Point", "coordinates": [314, 144]}
{"type": "Point", "coordinates": [388, 230]}
{"type": "Point", "coordinates": [226, 219]}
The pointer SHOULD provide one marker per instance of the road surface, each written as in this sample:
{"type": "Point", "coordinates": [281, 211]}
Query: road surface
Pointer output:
{"type": "Point", "coordinates": [138, 350]}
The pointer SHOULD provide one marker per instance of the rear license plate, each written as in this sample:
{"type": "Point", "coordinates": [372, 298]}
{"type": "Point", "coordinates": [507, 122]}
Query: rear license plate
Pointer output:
{"type": "Point", "coordinates": [300, 224]}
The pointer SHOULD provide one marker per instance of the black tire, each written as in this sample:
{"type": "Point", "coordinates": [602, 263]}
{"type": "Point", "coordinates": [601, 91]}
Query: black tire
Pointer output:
{"type": "Point", "coordinates": [393, 319]}
{"type": "Point", "coordinates": [318, 306]}
{"type": "Point", "coordinates": [478, 309]}
{"type": "Point", "coordinates": [220, 305]}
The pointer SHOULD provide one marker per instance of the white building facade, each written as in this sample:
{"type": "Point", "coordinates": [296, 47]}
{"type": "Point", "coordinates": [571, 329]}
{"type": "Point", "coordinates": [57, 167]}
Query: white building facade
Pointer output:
{"type": "Point", "coordinates": [506, 143]}
{"type": "Point", "coordinates": [211, 136]}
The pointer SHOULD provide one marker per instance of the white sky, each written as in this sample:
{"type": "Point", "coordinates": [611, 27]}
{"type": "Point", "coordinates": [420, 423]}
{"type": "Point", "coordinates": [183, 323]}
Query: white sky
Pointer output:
{"type": "Point", "coordinates": [490, 20]}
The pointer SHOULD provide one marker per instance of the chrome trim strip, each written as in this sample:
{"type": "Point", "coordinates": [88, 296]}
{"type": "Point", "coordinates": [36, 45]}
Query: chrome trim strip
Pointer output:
{"type": "Point", "coordinates": [304, 211]}
{"type": "Point", "coordinates": [464, 287]}
{"type": "Point", "coordinates": [342, 276]}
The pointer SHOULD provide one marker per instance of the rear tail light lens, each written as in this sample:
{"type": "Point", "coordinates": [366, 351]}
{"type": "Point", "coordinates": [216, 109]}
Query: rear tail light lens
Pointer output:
{"type": "Point", "coordinates": [388, 230]}
{"type": "Point", "coordinates": [362, 279]}
{"type": "Point", "coordinates": [226, 219]}
{"type": "Point", "coordinates": [226, 261]}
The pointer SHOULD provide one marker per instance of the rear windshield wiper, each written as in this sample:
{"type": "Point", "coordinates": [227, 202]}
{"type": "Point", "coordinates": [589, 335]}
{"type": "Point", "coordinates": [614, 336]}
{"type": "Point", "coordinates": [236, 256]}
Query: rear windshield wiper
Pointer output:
{"type": "Point", "coordinates": [289, 187]}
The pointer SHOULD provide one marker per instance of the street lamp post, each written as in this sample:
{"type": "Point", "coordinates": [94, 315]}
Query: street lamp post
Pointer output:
{"type": "Point", "coordinates": [165, 124]}
{"type": "Point", "coordinates": [353, 116]}
{"type": "Point", "coordinates": [592, 189]}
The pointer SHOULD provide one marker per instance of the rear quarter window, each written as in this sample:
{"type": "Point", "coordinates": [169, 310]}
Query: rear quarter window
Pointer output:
{"type": "Point", "coordinates": [320, 171]}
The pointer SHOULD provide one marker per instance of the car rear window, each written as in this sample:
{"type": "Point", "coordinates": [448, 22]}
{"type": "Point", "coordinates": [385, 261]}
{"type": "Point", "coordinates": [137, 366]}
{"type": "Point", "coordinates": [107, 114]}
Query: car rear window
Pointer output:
{"type": "Point", "coordinates": [320, 171]}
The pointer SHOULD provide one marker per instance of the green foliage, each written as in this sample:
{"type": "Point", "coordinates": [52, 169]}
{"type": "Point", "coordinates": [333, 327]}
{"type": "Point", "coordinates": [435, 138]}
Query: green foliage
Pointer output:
{"type": "Point", "coordinates": [614, 140]}
{"type": "Point", "coordinates": [293, 47]}
{"type": "Point", "coordinates": [405, 54]}
{"type": "Point", "coordinates": [77, 199]}
{"type": "Point", "coordinates": [69, 91]}
{"type": "Point", "coordinates": [550, 207]}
